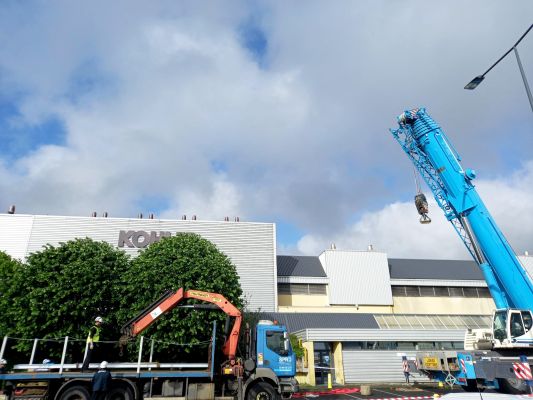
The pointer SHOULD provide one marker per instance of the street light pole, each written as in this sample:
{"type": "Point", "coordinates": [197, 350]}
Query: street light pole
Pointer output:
{"type": "Point", "coordinates": [524, 77]}
{"type": "Point", "coordinates": [478, 79]}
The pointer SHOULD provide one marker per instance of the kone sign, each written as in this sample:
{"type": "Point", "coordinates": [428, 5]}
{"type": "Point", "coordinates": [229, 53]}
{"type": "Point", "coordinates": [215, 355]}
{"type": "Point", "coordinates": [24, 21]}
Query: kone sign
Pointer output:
{"type": "Point", "coordinates": [140, 239]}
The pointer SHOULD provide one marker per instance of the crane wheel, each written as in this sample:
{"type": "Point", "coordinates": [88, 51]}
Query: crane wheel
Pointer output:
{"type": "Point", "coordinates": [513, 386]}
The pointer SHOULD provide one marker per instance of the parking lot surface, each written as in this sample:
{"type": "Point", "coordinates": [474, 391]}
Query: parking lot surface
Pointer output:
{"type": "Point", "coordinates": [400, 392]}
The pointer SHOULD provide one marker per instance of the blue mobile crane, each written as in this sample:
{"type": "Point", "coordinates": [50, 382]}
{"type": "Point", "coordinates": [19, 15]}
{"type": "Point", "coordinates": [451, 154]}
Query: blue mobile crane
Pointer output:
{"type": "Point", "coordinates": [495, 355]}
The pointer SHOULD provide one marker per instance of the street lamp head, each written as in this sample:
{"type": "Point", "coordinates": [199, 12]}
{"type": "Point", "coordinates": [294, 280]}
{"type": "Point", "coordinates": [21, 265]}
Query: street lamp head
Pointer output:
{"type": "Point", "coordinates": [474, 82]}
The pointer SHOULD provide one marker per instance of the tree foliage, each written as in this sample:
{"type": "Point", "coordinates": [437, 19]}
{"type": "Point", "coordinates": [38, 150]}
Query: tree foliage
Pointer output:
{"type": "Point", "coordinates": [296, 345]}
{"type": "Point", "coordinates": [60, 290]}
{"type": "Point", "coordinates": [183, 261]}
{"type": "Point", "coordinates": [8, 270]}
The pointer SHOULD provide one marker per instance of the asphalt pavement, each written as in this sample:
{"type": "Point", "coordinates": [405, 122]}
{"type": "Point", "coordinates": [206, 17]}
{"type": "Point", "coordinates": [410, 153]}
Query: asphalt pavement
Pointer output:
{"type": "Point", "coordinates": [379, 391]}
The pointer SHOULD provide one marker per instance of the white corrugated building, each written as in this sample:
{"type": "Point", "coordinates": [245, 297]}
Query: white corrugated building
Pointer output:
{"type": "Point", "coordinates": [355, 311]}
{"type": "Point", "coordinates": [250, 245]}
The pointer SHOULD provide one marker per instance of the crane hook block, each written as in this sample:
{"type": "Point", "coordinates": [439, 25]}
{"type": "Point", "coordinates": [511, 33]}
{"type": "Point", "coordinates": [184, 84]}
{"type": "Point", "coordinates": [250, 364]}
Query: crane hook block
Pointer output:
{"type": "Point", "coordinates": [422, 208]}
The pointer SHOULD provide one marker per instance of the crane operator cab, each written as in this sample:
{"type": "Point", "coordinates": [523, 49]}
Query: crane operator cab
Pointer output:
{"type": "Point", "coordinates": [512, 328]}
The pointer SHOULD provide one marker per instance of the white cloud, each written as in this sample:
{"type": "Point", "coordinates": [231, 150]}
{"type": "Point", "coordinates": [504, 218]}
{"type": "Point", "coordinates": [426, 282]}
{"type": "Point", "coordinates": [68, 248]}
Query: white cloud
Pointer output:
{"type": "Point", "coordinates": [163, 101]}
{"type": "Point", "coordinates": [395, 228]}
{"type": "Point", "coordinates": [220, 200]}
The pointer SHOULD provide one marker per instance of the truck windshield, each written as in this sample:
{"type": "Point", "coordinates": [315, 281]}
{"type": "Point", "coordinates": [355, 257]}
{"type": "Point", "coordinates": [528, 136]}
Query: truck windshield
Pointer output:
{"type": "Point", "coordinates": [276, 342]}
{"type": "Point", "coordinates": [500, 323]}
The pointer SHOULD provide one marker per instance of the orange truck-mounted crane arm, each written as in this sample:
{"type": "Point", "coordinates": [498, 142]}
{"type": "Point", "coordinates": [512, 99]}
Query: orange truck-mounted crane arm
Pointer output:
{"type": "Point", "coordinates": [171, 299]}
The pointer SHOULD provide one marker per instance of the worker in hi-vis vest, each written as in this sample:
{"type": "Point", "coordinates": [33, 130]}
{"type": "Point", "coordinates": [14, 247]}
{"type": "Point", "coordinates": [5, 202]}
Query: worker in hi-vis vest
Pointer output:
{"type": "Point", "coordinates": [92, 341]}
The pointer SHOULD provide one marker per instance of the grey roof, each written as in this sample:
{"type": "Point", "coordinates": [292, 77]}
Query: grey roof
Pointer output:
{"type": "Point", "coordinates": [434, 269]}
{"type": "Point", "coordinates": [300, 266]}
{"type": "Point", "coordinates": [299, 321]}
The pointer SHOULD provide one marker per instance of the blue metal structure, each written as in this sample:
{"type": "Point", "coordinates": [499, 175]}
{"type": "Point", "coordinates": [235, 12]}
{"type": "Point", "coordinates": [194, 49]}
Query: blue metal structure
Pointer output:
{"type": "Point", "coordinates": [433, 155]}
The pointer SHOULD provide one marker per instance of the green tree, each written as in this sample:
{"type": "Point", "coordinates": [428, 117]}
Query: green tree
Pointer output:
{"type": "Point", "coordinates": [183, 261]}
{"type": "Point", "coordinates": [62, 289]}
{"type": "Point", "coordinates": [297, 347]}
{"type": "Point", "coordinates": [9, 267]}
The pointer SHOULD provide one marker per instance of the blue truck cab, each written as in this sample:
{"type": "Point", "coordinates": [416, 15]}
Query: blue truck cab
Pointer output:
{"type": "Point", "coordinates": [274, 349]}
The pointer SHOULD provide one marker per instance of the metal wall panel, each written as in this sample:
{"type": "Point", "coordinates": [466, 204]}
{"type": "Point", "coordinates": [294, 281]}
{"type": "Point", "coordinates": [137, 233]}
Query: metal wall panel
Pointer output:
{"type": "Point", "coordinates": [375, 366]}
{"type": "Point", "coordinates": [15, 232]}
{"type": "Point", "coordinates": [357, 277]}
{"type": "Point", "coordinates": [250, 246]}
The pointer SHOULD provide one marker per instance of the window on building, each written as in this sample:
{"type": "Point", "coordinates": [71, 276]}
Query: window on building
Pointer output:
{"type": "Point", "coordinates": [412, 291]}
{"type": "Point", "coordinates": [401, 346]}
{"type": "Point", "coordinates": [427, 291]}
{"type": "Point", "coordinates": [301, 288]}
{"type": "Point", "coordinates": [427, 322]}
{"type": "Point", "coordinates": [353, 345]}
{"type": "Point", "coordinates": [317, 289]}
{"type": "Point", "coordinates": [439, 291]}
{"type": "Point", "coordinates": [284, 288]}
{"type": "Point", "coordinates": [456, 292]}
{"type": "Point", "coordinates": [470, 292]}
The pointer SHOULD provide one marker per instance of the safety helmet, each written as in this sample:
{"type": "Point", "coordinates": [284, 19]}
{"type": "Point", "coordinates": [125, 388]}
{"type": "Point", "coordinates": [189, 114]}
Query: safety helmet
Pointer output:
{"type": "Point", "coordinates": [103, 365]}
{"type": "Point", "coordinates": [99, 319]}
{"type": "Point", "coordinates": [47, 361]}
{"type": "Point", "coordinates": [3, 361]}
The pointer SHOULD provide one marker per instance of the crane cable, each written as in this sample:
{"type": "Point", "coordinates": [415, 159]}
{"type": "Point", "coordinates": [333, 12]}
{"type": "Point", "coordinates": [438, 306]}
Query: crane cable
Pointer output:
{"type": "Point", "coordinates": [421, 202]}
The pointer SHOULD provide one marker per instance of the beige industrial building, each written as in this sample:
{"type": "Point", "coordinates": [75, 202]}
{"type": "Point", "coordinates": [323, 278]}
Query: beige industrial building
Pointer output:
{"type": "Point", "coordinates": [355, 312]}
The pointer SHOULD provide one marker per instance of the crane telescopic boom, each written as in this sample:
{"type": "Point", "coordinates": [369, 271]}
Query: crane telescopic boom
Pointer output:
{"type": "Point", "coordinates": [437, 161]}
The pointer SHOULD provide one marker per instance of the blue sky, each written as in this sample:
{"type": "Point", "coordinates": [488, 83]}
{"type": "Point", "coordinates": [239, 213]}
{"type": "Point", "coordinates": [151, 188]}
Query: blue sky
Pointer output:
{"type": "Point", "coordinates": [267, 111]}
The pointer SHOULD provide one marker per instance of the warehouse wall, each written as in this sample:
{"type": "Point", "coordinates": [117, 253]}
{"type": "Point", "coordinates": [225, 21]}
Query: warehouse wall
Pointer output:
{"type": "Point", "coordinates": [250, 246]}
{"type": "Point", "coordinates": [375, 366]}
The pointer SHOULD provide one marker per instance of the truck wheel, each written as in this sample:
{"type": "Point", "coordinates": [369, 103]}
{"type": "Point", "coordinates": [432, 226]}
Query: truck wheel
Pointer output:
{"type": "Point", "coordinates": [513, 386]}
{"type": "Point", "coordinates": [120, 392]}
{"type": "Point", "coordinates": [262, 391]}
{"type": "Point", "coordinates": [75, 393]}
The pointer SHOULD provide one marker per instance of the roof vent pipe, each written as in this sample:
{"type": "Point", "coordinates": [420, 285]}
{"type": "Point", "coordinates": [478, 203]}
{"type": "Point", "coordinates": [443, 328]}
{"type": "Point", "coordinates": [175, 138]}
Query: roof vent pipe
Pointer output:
{"type": "Point", "coordinates": [194, 218]}
{"type": "Point", "coordinates": [333, 247]}
{"type": "Point", "coordinates": [237, 219]}
{"type": "Point", "coordinates": [11, 209]}
{"type": "Point", "coordinates": [370, 247]}
{"type": "Point", "coordinates": [93, 214]}
{"type": "Point", "coordinates": [183, 217]}
{"type": "Point", "coordinates": [151, 216]}
{"type": "Point", "coordinates": [140, 216]}
{"type": "Point", "coordinates": [104, 214]}
{"type": "Point", "coordinates": [226, 218]}
{"type": "Point", "coordinates": [526, 253]}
